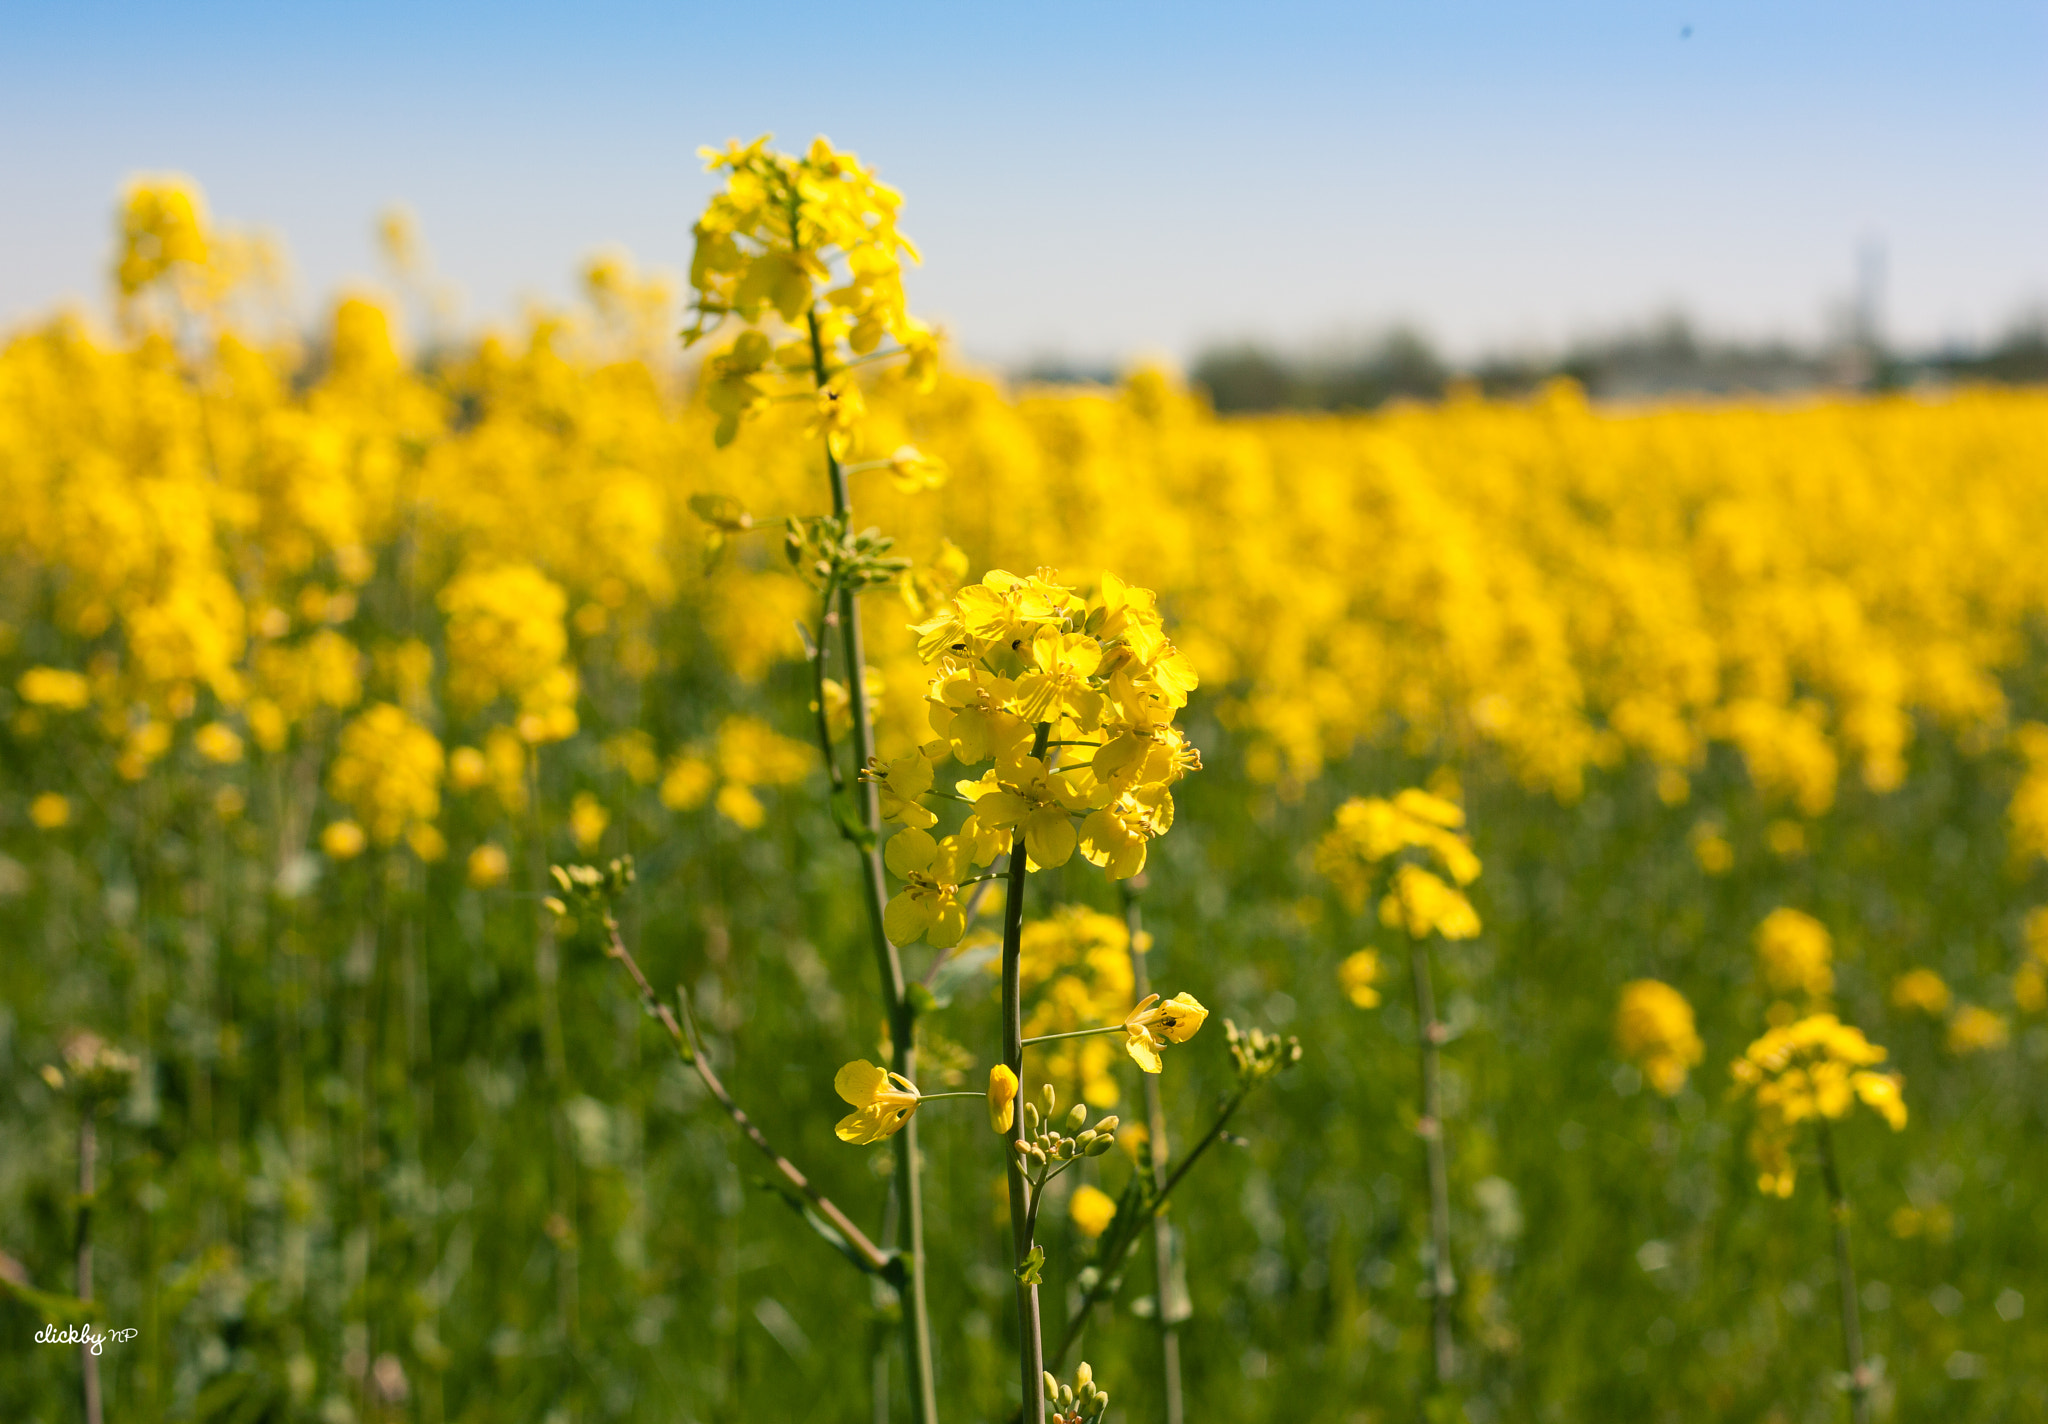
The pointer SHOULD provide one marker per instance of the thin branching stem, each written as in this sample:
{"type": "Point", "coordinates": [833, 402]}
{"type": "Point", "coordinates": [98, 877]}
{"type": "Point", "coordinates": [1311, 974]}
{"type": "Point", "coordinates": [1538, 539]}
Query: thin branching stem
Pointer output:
{"type": "Point", "coordinates": [88, 1153]}
{"type": "Point", "coordinates": [1166, 1299]}
{"type": "Point", "coordinates": [1845, 1278]}
{"type": "Point", "coordinates": [1107, 1270]}
{"type": "Point", "coordinates": [1030, 1342]}
{"type": "Point", "coordinates": [1443, 1283]}
{"type": "Point", "coordinates": [869, 1256]}
{"type": "Point", "coordinates": [917, 1330]}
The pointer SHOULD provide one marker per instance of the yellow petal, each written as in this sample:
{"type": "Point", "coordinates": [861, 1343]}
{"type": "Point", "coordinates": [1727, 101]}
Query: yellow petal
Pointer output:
{"type": "Point", "coordinates": [859, 1082]}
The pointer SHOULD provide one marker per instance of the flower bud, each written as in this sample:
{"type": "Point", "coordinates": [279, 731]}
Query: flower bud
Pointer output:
{"type": "Point", "coordinates": [1078, 1117]}
{"type": "Point", "coordinates": [1108, 1125]}
{"type": "Point", "coordinates": [1100, 1145]}
{"type": "Point", "coordinates": [1031, 1119]}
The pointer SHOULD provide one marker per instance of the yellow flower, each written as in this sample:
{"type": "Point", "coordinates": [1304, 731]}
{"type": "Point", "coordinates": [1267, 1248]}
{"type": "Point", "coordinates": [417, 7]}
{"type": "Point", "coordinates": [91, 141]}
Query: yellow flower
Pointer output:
{"type": "Point", "coordinates": [1152, 1025]}
{"type": "Point", "coordinates": [1058, 684]}
{"type": "Point", "coordinates": [217, 742]}
{"type": "Point", "coordinates": [1421, 904]}
{"type": "Point", "coordinates": [343, 840]}
{"type": "Point", "coordinates": [588, 819]}
{"type": "Point", "coordinates": [1794, 951]}
{"type": "Point", "coordinates": [489, 866]}
{"type": "Point", "coordinates": [1975, 1030]}
{"type": "Point", "coordinates": [1038, 803]}
{"type": "Point", "coordinates": [388, 772]}
{"type": "Point", "coordinates": [2030, 988]}
{"type": "Point", "coordinates": [1815, 1067]}
{"type": "Point", "coordinates": [900, 782]}
{"type": "Point", "coordinates": [1358, 975]}
{"type": "Point", "coordinates": [884, 1102]}
{"type": "Point", "coordinates": [2035, 930]}
{"type": "Point", "coordinates": [928, 905]}
{"type": "Point", "coordinates": [49, 811]}
{"type": "Point", "coordinates": [1002, 1098]}
{"type": "Point", "coordinates": [467, 769]}
{"type": "Point", "coordinates": [1091, 1209]}
{"type": "Point", "coordinates": [1653, 1025]}
{"type": "Point", "coordinates": [688, 782]}
{"type": "Point", "coordinates": [55, 688]}
{"type": "Point", "coordinates": [1922, 990]}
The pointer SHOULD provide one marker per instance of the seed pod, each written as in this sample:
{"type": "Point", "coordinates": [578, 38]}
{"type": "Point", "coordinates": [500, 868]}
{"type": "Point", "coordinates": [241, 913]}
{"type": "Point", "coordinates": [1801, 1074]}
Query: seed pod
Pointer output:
{"type": "Point", "coordinates": [1078, 1118]}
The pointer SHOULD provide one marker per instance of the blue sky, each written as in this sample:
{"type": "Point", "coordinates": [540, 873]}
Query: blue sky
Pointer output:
{"type": "Point", "coordinates": [1104, 180]}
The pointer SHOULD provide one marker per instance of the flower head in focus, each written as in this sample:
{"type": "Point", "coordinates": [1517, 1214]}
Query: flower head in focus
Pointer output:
{"type": "Point", "coordinates": [1153, 1024]}
{"type": "Point", "coordinates": [883, 1102]}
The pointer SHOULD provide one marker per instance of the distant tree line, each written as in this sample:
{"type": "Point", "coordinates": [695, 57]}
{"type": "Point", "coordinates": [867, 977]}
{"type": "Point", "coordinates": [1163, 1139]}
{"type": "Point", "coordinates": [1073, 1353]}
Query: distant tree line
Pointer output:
{"type": "Point", "coordinates": [1666, 357]}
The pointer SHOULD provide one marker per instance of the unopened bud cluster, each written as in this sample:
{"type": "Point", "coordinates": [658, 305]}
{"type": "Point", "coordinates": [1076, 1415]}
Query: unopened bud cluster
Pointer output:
{"type": "Point", "coordinates": [1258, 1054]}
{"type": "Point", "coordinates": [587, 887]}
{"type": "Point", "coordinates": [1078, 1403]}
{"type": "Point", "coordinates": [1043, 1147]}
{"type": "Point", "coordinates": [94, 1070]}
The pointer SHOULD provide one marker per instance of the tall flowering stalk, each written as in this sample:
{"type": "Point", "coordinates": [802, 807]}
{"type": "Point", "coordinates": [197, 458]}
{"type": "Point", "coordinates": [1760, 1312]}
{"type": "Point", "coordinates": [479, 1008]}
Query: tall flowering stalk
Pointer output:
{"type": "Point", "coordinates": [96, 1075]}
{"type": "Point", "coordinates": [1378, 841]}
{"type": "Point", "coordinates": [1070, 700]}
{"type": "Point", "coordinates": [1815, 1071]}
{"type": "Point", "coordinates": [803, 253]}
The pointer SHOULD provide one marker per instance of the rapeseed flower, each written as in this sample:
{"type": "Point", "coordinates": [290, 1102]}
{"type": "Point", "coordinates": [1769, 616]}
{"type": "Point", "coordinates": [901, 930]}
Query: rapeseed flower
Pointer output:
{"type": "Point", "coordinates": [1795, 952]}
{"type": "Point", "coordinates": [1815, 1068]}
{"type": "Point", "coordinates": [1153, 1024]}
{"type": "Point", "coordinates": [1653, 1026]}
{"type": "Point", "coordinates": [1091, 1209]}
{"type": "Point", "coordinates": [1921, 990]}
{"type": "Point", "coordinates": [883, 1102]}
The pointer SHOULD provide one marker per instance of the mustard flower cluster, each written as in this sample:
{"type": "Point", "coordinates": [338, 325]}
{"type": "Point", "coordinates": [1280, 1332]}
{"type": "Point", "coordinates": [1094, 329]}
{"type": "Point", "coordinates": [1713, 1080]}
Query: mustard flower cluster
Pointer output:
{"type": "Point", "coordinates": [1072, 699]}
{"type": "Point", "coordinates": [810, 240]}
{"type": "Point", "coordinates": [1370, 831]}
{"type": "Point", "coordinates": [1816, 1068]}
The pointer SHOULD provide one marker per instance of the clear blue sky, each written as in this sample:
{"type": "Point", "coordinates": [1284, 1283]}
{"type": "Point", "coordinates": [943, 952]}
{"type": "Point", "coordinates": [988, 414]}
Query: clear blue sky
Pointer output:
{"type": "Point", "coordinates": [1097, 180]}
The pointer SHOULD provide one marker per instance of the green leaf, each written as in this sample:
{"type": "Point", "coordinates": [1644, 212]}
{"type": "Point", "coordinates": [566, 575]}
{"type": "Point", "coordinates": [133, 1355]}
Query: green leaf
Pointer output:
{"type": "Point", "coordinates": [66, 1308]}
{"type": "Point", "coordinates": [1031, 1272]}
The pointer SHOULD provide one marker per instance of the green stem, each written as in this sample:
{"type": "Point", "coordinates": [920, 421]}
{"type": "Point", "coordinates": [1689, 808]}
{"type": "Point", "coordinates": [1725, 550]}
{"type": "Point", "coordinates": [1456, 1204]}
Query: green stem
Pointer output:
{"type": "Point", "coordinates": [1845, 1277]}
{"type": "Point", "coordinates": [1030, 1342]}
{"type": "Point", "coordinates": [917, 1328]}
{"type": "Point", "coordinates": [1106, 1269]}
{"type": "Point", "coordinates": [1078, 1033]}
{"type": "Point", "coordinates": [1165, 1297]}
{"type": "Point", "coordinates": [1443, 1284]}
{"type": "Point", "coordinates": [88, 1152]}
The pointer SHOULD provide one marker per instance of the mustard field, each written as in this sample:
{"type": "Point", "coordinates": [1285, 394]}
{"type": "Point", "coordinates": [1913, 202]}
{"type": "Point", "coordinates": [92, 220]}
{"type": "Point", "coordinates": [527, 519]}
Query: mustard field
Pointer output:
{"type": "Point", "coordinates": [1692, 759]}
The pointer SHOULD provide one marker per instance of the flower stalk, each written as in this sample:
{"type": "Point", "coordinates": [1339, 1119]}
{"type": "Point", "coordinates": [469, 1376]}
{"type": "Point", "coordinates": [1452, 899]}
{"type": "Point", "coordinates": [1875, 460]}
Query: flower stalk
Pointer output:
{"type": "Point", "coordinates": [1030, 1341]}
{"type": "Point", "coordinates": [1166, 1296]}
{"type": "Point", "coordinates": [1443, 1282]}
{"type": "Point", "coordinates": [1845, 1276]}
